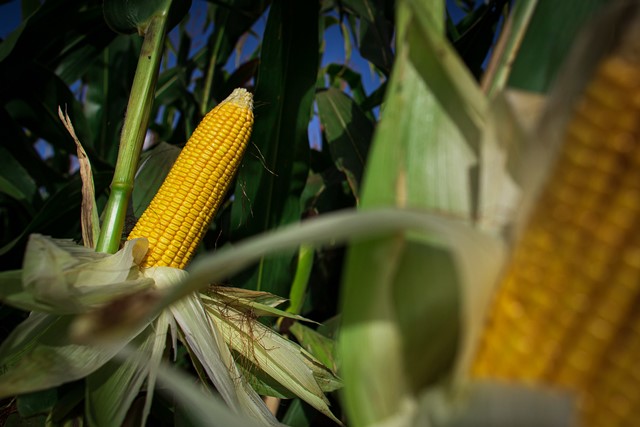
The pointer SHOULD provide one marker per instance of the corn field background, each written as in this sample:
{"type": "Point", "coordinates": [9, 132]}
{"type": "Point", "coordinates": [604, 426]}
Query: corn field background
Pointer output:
{"type": "Point", "coordinates": [323, 141]}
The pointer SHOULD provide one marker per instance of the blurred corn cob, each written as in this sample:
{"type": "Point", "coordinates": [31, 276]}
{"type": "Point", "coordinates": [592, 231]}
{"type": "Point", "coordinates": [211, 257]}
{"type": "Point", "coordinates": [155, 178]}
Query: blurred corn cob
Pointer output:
{"type": "Point", "coordinates": [568, 311]}
{"type": "Point", "coordinates": [178, 216]}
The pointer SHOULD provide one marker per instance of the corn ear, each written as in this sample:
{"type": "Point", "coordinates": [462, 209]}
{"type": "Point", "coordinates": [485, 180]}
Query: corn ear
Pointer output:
{"type": "Point", "coordinates": [568, 311]}
{"type": "Point", "coordinates": [178, 216]}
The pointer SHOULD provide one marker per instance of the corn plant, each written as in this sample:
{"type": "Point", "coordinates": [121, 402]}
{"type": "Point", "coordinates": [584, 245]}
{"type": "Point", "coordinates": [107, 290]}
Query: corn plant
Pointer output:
{"type": "Point", "coordinates": [444, 178]}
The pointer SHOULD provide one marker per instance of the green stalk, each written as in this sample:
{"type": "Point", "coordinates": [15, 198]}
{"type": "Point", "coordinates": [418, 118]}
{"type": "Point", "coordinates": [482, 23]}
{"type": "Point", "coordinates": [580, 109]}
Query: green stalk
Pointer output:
{"type": "Point", "coordinates": [133, 133]}
{"type": "Point", "coordinates": [301, 279]}
{"type": "Point", "coordinates": [499, 67]}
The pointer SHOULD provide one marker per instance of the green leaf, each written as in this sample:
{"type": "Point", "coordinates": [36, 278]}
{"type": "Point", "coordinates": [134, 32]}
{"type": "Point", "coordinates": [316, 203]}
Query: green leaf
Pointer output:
{"type": "Point", "coordinates": [16, 181]}
{"type": "Point", "coordinates": [296, 415]}
{"type": "Point", "coordinates": [375, 32]}
{"type": "Point", "coordinates": [548, 40]}
{"type": "Point", "coordinates": [353, 79]}
{"type": "Point", "coordinates": [22, 150]}
{"type": "Point", "coordinates": [61, 212]}
{"type": "Point", "coordinates": [446, 76]}
{"type": "Point", "coordinates": [35, 106]}
{"type": "Point", "coordinates": [39, 402]}
{"type": "Point", "coordinates": [111, 389]}
{"type": "Point", "coordinates": [321, 347]}
{"type": "Point", "coordinates": [278, 357]}
{"type": "Point", "coordinates": [38, 355]}
{"type": "Point", "coordinates": [126, 16]}
{"type": "Point", "coordinates": [274, 173]}
{"type": "Point", "coordinates": [404, 295]}
{"type": "Point", "coordinates": [60, 35]}
{"type": "Point", "coordinates": [478, 34]}
{"type": "Point", "coordinates": [348, 133]}
{"type": "Point", "coordinates": [108, 82]}
{"type": "Point", "coordinates": [231, 19]}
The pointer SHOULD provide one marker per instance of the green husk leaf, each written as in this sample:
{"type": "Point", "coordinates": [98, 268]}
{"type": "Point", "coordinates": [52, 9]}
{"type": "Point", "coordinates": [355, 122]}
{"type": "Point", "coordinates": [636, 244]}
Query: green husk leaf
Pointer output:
{"type": "Point", "coordinates": [268, 351]}
{"type": "Point", "coordinates": [203, 408]}
{"type": "Point", "coordinates": [204, 340]}
{"type": "Point", "coordinates": [69, 278]}
{"type": "Point", "coordinates": [12, 293]}
{"type": "Point", "coordinates": [38, 355]}
{"type": "Point", "coordinates": [255, 302]}
{"type": "Point", "coordinates": [492, 404]}
{"type": "Point", "coordinates": [111, 390]}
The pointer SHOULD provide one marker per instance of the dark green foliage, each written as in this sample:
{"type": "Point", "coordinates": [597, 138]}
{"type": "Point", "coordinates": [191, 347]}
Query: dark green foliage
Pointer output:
{"type": "Point", "coordinates": [74, 55]}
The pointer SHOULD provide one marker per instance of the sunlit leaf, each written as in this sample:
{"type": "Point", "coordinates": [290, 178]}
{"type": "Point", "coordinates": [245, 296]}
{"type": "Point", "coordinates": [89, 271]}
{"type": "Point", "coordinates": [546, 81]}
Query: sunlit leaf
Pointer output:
{"type": "Point", "coordinates": [348, 133]}
{"type": "Point", "coordinates": [38, 355]}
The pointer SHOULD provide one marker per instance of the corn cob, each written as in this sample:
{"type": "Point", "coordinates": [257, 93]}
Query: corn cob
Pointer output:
{"type": "Point", "coordinates": [178, 216]}
{"type": "Point", "coordinates": [567, 313]}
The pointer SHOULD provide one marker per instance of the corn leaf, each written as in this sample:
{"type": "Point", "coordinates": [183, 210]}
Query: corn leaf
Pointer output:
{"type": "Point", "coordinates": [321, 347]}
{"type": "Point", "coordinates": [38, 355]}
{"type": "Point", "coordinates": [111, 390]}
{"type": "Point", "coordinates": [348, 132]}
{"type": "Point", "coordinates": [53, 219]}
{"type": "Point", "coordinates": [203, 409]}
{"type": "Point", "coordinates": [374, 35]}
{"type": "Point", "coordinates": [134, 16]}
{"type": "Point", "coordinates": [425, 156]}
{"type": "Point", "coordinates": [340, 74]}
{"type": "Point", "coordinates": [106, 96]}
{"type": "Point", "coordinates": [15, 181]}
{"type": "Point", "coordinates": [75, 34]}
{"type": "Point", "coordinates": [275, 170]}
{"type": "Point", "coordinates": [268, 351]}
{"type": "Point", "coordinates": [552, 32]}
{"type": "Point", "coordinates": [205, 341]}
{"type": "Point", "coordinates": [70, 278]}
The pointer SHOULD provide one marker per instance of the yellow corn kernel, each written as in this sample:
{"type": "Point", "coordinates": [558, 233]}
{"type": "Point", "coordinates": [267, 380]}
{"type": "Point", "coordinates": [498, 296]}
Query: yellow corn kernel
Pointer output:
{"type": "Point", "coordinates": [568, 311]}
{"type": "Point", "coordinates": [178, 216]}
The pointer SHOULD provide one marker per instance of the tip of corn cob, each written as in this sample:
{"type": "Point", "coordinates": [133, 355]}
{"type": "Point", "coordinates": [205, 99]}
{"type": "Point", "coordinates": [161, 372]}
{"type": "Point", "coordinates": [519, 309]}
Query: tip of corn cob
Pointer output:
{"type": "Point", "coordinates": [241, 97]}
